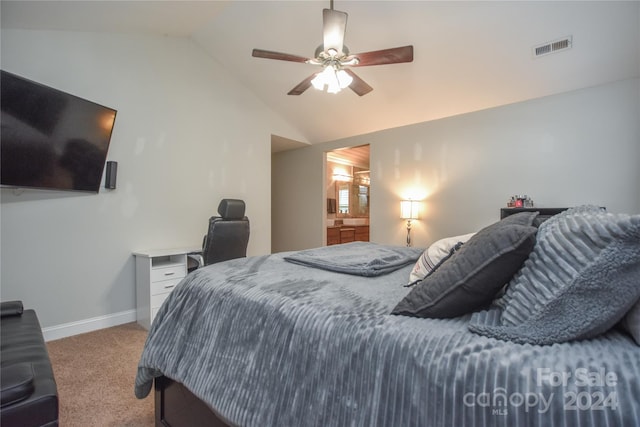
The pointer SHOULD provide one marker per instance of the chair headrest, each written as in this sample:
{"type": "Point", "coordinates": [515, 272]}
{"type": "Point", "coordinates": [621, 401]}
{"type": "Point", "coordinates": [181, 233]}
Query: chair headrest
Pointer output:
{"type": "Point", "coordinates": [231, 208]}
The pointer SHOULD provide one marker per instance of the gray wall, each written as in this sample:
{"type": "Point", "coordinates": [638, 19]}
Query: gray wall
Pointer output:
{"type": "Point", "coordinates": [563, 150]}
{"type": "Point", "coordinates": [182, 142]}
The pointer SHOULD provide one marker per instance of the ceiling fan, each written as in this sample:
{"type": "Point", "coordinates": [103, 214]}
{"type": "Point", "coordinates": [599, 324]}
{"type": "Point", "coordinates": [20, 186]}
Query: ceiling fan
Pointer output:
{"type": "Point", "coordinates": [334, 58]}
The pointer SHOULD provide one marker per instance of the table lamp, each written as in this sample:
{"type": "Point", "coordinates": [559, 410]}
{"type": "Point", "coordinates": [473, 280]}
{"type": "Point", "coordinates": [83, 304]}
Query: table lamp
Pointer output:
{"type": "Point", "coordinates": [409, 210]}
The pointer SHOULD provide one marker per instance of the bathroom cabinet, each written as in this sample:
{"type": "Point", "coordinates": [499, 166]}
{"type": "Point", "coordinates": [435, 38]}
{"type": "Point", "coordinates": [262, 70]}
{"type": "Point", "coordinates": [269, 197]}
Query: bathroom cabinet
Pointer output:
{"type": "Point", "coordinates": [333, 236]}
{"type": "Point", "coordinates": [347, 233]}
{"type": "Point", "coordinates": [362, 233]}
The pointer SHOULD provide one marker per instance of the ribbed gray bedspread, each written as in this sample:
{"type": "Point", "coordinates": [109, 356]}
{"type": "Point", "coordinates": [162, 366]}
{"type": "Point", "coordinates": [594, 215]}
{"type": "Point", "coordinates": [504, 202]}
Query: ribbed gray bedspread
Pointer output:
{"type": "Point", "coordinates": [266, 342]}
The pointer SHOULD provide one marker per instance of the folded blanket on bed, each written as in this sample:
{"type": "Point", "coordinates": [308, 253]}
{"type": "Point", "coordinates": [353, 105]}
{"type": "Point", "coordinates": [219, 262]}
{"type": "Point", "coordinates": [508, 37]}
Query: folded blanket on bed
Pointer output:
{"type": "Point", "coordinates": [358, 258]}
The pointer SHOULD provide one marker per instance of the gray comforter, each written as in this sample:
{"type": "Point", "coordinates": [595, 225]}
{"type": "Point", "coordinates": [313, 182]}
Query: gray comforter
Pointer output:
{"type": "Point", "coordinates": [270, 343]}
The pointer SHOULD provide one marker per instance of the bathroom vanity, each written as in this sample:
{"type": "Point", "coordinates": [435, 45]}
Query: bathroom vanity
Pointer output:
{"type": "Point", "coordinates": [337, 234]}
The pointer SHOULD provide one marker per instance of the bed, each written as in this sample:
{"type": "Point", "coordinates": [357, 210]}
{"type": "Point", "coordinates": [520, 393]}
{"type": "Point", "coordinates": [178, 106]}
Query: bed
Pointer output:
{"type": "Point", "coordinates": [518, 325]}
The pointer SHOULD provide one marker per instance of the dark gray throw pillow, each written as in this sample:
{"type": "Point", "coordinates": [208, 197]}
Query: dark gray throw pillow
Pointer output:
{"type": "Point", "coordinates": [521, 218]}
{"type": "Point", "coordinates": [472, 277]}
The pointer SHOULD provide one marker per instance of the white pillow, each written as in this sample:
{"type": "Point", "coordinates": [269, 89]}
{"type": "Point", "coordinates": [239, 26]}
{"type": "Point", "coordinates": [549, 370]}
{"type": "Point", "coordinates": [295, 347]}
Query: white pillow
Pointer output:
{"type": "Point", "coordinates": [434, 255]}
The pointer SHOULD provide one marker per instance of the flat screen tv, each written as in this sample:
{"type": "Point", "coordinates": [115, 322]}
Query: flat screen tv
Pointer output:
{"type": "Point", "coordinates": [50, 139]}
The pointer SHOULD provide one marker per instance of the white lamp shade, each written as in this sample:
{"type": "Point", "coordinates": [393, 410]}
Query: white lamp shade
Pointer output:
{"type": "Point", "coordinates": [409, 209]}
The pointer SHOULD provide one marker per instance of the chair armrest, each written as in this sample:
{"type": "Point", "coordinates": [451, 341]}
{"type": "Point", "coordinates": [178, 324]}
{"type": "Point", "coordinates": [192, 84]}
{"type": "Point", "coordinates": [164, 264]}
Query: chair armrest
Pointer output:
{"type": "Point", "coordinates": [11, 308]}
{"type": "Point", "coordinates": [16, 383]}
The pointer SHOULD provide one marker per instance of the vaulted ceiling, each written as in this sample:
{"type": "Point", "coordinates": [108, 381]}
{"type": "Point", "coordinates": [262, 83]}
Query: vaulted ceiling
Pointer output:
{"type": "Point", "coordinates": [468, 55]}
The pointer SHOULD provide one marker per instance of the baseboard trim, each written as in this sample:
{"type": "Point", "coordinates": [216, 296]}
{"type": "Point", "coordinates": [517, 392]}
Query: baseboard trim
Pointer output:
{"type": "Point", "coordinates": [88, 325]}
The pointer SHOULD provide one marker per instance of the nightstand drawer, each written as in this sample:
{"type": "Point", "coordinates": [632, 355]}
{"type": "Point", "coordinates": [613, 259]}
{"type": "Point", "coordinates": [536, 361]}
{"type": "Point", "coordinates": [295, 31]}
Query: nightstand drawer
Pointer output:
{"type": "Point", "coordinates": [156, 303]}
{"type": "Point", "coordinates": [157, 300]}
{"type": "Point", "coordinates": [168, 273]}
{"type": "Point", "coordinates": [164, 286]}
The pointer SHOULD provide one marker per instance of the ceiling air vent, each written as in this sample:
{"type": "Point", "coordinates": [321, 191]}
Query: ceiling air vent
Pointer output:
{"type": "Point", "coordinates": [552, 47]}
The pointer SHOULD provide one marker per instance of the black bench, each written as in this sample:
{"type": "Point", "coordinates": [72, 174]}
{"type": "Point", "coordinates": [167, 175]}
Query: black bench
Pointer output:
{"type": "Point", "coordinates": [28, 388]}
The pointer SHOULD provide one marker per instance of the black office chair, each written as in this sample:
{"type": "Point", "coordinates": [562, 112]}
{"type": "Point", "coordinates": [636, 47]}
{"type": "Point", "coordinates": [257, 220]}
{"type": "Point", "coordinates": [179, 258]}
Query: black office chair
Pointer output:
{"type": "Point", "coordinates": [228, 234]}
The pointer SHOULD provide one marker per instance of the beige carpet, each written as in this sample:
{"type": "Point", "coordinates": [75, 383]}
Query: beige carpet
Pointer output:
{"type": "Point", "coordinates": [95, 373]}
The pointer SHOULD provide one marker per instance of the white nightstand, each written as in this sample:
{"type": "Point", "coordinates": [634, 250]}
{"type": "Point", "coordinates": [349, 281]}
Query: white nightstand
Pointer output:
{"type": "Point", "coordinates": [157, 273]}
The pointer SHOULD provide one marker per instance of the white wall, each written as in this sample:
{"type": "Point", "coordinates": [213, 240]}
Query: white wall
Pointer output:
{"type": "Point", "coordinates": [186, 135]}
{"type": "Point", "coordinates": [298, 200]}
{"type": "Point", "coordinates": [563, 150]}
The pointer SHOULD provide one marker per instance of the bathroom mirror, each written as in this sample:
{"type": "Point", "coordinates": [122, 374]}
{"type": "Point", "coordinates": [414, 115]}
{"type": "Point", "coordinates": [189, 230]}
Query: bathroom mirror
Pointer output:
{"type": "Point", "coordinates": [352, 198]}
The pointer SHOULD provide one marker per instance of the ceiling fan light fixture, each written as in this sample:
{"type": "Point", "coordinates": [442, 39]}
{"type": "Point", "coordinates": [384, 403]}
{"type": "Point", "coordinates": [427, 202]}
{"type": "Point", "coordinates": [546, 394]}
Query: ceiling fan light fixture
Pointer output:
{"type": "Point", "coordinates": [333, 79]}
{"type": "Point", "coordinates": [344, 79]}
{"type": "Point", "coordinates": [318, 82]}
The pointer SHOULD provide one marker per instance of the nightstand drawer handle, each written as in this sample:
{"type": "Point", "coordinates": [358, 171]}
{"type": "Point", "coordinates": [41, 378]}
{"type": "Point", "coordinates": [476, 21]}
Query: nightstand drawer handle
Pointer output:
{"type": "Point", "coordinates": [169, 286]}
{"type": "Point", "coordinates": [170, 273]}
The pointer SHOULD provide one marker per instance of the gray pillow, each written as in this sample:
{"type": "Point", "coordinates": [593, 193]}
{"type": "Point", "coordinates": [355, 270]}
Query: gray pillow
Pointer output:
{"type": "Point", "coordinates": [472, 276]}
{"type": "Point", "coordinates": [582, 277]}
{"type": "Point", "coordinates": [631, 322]}
{"type": "Point", "coordinates": [521, 218]}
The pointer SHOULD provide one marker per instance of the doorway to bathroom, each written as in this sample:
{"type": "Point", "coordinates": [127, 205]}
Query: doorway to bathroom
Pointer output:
{"type": "Point", "coordinates": [348, 193]}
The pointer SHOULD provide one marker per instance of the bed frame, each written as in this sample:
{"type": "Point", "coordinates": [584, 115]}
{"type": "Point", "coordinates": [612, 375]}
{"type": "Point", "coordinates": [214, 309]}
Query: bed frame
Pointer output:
{"type": "Point", "coordinates": [176, 406]}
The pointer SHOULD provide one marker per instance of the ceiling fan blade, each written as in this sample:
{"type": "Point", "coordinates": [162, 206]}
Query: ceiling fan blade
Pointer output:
{"type": "Point", "coordinates": [302, 86]}
{"type": "Point", "coordinates": [386, 56]}
{"type": "Point", "coordinates": [259, 53]}
{"type": "Point", "coordinates": [334, 25]}
{"type": "Point", "coordinates": [358, 85]}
